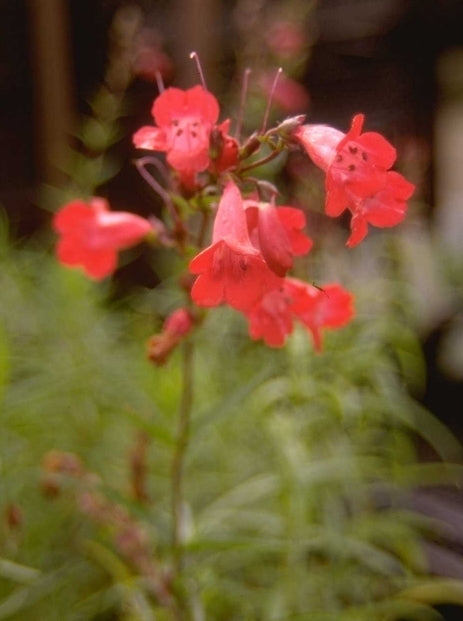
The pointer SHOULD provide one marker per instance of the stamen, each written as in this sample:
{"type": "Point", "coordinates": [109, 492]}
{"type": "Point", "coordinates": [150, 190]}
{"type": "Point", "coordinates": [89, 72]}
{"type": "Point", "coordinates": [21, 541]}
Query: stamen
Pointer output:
{"type": "Point", "coordinates": [272, 91]}
{"type": "Point", "coordinates": [194, 56]}
{"type": "Point", "coordinates": [244, 90]}
{"type": "Point", "coordinates": [159, 81]}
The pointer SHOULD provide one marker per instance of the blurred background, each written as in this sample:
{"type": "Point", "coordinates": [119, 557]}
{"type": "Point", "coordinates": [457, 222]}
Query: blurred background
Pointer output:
{"type": "Point", "coordinates": [398, 61]}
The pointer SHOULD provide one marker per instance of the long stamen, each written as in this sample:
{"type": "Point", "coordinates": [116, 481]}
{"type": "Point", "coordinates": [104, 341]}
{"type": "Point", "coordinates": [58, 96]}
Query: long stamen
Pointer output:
{"type": "Point", "coordinates": [269, 102]}
{"type": "Point", "coordinates": [194, 56]}
{"type": "Point", "coordinates": [159, 81]}
{"type": "Point", "coordinates": [244, 90]}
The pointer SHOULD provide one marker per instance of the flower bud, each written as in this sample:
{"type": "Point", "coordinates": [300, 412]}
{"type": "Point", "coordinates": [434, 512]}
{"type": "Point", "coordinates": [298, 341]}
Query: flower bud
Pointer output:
{"type": "Point", "coordinates": [177, 325]}
{"type": "Point", "coordinates": [289, 125]}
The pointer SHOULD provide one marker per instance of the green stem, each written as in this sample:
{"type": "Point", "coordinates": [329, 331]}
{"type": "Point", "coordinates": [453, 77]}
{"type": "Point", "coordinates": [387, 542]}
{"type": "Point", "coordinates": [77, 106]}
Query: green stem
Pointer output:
{"type": "Point", "coordinates": [178, 462]}
{"type": "Point", "coordinates": [268, 158]}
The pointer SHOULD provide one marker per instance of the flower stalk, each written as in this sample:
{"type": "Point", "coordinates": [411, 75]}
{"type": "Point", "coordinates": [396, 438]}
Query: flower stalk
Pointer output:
{"type": "Point", "coordinates": [178, 461]}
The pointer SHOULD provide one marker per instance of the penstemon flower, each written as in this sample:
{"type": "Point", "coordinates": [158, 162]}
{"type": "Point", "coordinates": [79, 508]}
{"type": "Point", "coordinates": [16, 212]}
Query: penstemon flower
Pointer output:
{"type": "Point", "coordinates": [91, 235]}
{"type": "Point", "coordinates": [184, 122]}
{"type": "Point", "coordinates": [357, 175]}
{"type": "Point", "coordinates": [188, 133]}
{"type": "Point", "coordinates": [317, 309]}
{"type": "Point", "coordinates": [271, 319]}
{"type": "Point", "coordinates": [277, 232]}
{"type": "Point", "coordinates": [231, 270]}
{"type": "Point", "coordinates": [240, 242]}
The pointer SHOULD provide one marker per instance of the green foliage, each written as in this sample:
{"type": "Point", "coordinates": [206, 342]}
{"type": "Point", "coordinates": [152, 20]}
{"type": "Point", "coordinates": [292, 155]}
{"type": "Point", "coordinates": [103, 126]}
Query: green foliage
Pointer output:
{"type": "Point", "coordinates": [69, 388]}
{"type": "Point", "coordinates": [295, 475]}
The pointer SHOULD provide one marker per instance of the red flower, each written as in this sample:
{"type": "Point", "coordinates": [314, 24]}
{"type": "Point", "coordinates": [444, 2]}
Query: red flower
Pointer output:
{"type": "Point", "coordinates": [224, 150]}
{"type": "Point", "coordinates": [231, 270]}
{"type": "Point", "coordinates": [277, 232]}
{"type": "Point", "coordinates": [330, 307]}
{"type": "Point", "coordinates": [184, 121]}
{"type": "Point", "coordinates": [385, 208]}
{"type": "Point", "coordinates": [91, 235]}
{"type": "Point", "coordinates": [271, 318]}
{"type": "Point", "coordinates": [357, 175]}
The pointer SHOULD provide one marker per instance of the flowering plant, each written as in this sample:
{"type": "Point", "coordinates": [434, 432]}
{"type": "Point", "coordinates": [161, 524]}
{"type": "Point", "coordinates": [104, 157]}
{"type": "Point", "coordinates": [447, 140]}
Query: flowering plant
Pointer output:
{"type": "Point", "coordinates": [239, 246]}
{"type": "Point", "coordinates": [254, 240]}
{"type": "Point", "coordinates": [253, 460]}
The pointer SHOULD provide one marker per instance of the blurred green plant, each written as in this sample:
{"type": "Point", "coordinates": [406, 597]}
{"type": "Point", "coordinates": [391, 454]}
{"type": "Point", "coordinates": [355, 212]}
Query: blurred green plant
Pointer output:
{"type": "Point", "coordinates": [295, 478]}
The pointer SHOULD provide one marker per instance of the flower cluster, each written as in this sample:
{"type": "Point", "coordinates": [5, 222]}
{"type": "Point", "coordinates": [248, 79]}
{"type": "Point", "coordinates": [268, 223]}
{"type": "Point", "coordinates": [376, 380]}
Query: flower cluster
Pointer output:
{"type": "Point", "coordinates": [247, 264]}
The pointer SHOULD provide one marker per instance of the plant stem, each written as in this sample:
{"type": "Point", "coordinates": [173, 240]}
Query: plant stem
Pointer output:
{"type": "Point", "coordinates": [178, 462]}
{"type": "Point", "coordinates": [261, 162]}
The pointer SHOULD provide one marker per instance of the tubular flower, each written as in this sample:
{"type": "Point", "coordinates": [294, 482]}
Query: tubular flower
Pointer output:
{"type": "Point", "coordinates": [357, 175]}
{"type": "Point", "coordinates": [271, 318]}
{"type": "Point", "coordinates": [277, 232]}
{"type": "Point", "coordinates": [184, 122]}
{"type": "Point", "coordinates": [91, 235]}
{"type": "Point", "coordinates": [231, 270]}
{"type": "Point", "coordinates": [330, 307]}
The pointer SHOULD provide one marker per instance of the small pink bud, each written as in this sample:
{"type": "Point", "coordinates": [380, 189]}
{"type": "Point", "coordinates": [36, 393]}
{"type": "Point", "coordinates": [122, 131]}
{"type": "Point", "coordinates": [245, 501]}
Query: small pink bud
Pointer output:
{"type": "Point", "coordinates": [177, 325]}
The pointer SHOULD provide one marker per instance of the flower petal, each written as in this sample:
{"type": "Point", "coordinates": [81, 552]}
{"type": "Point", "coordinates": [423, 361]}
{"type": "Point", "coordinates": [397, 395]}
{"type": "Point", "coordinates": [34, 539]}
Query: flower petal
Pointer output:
{"type": "Point", "coordinates": [175, 102]}
{"type": "Point", "coordinates": [151, 138]}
